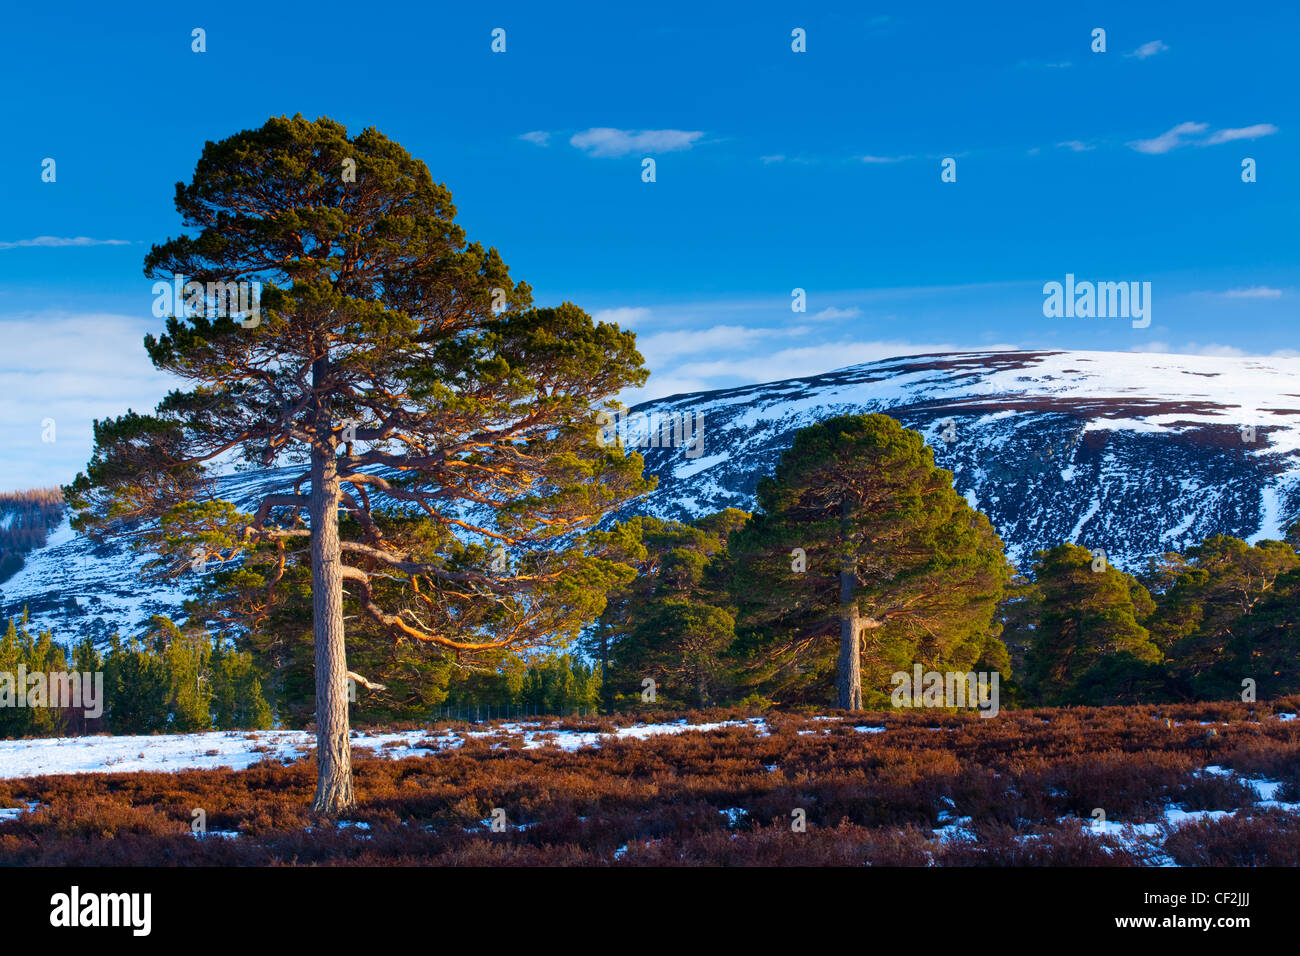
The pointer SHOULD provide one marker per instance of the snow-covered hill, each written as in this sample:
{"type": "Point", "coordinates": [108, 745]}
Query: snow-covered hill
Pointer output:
{"type": "Point", "coordinates": [1131, 453]}
{"type": "Point", "coordinates": [74, 586]}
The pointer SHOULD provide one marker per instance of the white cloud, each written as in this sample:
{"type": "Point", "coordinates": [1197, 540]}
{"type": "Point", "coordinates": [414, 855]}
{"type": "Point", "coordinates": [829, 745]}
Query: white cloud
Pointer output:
{"type": "Point", "coordinates": [1175, 137]}
{"type": "Point", "coordinates": [538, 136]}
{"type": "Point", "coordinates": [1168, 140]}
{"type": "Point", "coordinates": [674, 378]}
{"type": "Point", "coordinates": [884, 159]}
{"type": "Point", "coordinates": [779, 158]}
{"type": "Point", "coordinates": [606, 141]}
{"type": "Point", "coordinates": [723, 356]}
{"type": "Point", "coordinates": [1221, 351]}
{"type": "Point", "coordinates": [829, 314]}
{"type": "Point", "coordinates": [803, 360]}
{"type": "Point", "coordinates": [73, 369]}
{"type": "Point", "coordinates": [1254, 292]}
{"type": "Point", "coordinates": [1148, 49]}
{"type": "Point", "coordinates": [1245, 132]}
{"type": "Point", "coordinates": [624, 317]}
{"type": "Point", "coordinates": [1214, 350]}
{"type": "Point", "coordinates": [61, 241]}
{"type": "Point", "coordinates": [1076, 146]}
{"type": "Point", "coordinates": [662, 346]}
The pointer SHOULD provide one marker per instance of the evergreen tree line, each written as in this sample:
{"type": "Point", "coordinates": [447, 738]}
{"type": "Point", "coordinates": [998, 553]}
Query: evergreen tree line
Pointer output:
{"type": "Point", "coordinates": [416, 682]}
{"type": "Point", "coordinates": [174, 679]}
{"type": "Point", "coordinates": [166, 680]}
{"type": "Point", "coordinates": [859, 531]}
{"type": "Point", "coordinates": [1071, 629]}
{"type": "Point", "coordinates": [26, 518]}
{"type": "Point", "coordinates": [1220, 621]}
{"type": "Point", "coordinates": [860, 561]}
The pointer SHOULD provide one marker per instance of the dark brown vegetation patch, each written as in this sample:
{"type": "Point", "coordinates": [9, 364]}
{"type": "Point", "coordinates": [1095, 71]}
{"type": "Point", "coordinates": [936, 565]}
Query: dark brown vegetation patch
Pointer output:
{"type": "Point", "coordinates": [932, 788]}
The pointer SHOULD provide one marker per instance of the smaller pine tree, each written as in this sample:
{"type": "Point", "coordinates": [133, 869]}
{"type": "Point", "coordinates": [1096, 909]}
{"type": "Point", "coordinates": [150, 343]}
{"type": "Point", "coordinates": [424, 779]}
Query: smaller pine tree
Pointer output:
{"type": "Point", "coordinates": [1088, 645]}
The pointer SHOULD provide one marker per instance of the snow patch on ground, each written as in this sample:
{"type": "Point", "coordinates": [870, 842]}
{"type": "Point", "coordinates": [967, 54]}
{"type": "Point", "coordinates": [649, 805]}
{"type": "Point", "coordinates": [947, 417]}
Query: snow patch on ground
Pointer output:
{"type": "Point", "coordinates": [238, 750]}
{"type": "Point", "coordinates": [13, 813]}
{"type": "Point", "coordinates": [1153, 835]}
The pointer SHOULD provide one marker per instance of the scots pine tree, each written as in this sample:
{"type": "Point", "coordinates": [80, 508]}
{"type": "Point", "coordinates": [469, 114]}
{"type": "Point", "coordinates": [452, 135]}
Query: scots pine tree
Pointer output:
{"type": "Point", "coordinates": [401, 379]}
{"type": "Point", "coordinates": [1088, 644]}
{"type": "Point", "coordinates": [860, 560]}
{"type": "Point", "coordinates": [671, 624]}
{"type": "Point", "coordinates": [1223, 613]}
{"type": "Point", "coordinates": [681, 646]}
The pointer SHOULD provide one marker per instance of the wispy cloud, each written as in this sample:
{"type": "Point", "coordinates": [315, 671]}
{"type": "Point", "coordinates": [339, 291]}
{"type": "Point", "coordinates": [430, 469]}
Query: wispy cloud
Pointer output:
{"type": "Point", "coordinates": [1254, 292]}
{"type": "Point", "coordinates": [1214, 349]}
{"type": "Point", "coordinates": [883, 159]}
{"type": "Point", "coordinates": [50, 242]}
{"type": "Point", "coordinates": [1148, 49]}
{"type": "Point", "coordinates": [662, 346]}
{"type": "Point", "coordinates": [73, 369]}
{"type": "Point", "coordinates": [1075, 145]}
{"type": "Point", "coordinates": [607, 141]}
{"type": "Point", "coordinates": [1168, 140]}
{"type": "Point", "coordinates": [1221, 351]}
{"type": "Point", "coordinates": [538, 136]}
{"type": "Point", "coordinates": [700, 350]}
{"type": "Point", "coordinates": [1180, 136]}
{"type": "Point", "coordinates": [1044, 65]}
{"type": "Point", "coordinates": [795, 362]}
{"type": "Point", "coordinates": [778, 158]}
{"type": "Point", "coordinates": [1245, 132]}
{"type": "Point", "coordinates": [624, 317]}
{"type": "Point", "coordinates": [832, 313]}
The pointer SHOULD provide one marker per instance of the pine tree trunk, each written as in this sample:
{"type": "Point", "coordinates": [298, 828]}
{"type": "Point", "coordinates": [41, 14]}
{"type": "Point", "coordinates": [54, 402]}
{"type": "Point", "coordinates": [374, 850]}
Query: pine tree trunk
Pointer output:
{"type": "Point", "coordinates": [849, 675]}
{"type": "Point", "coordinates": [850, 664]}
{"type": "Point", "coordinates": [333, 749]}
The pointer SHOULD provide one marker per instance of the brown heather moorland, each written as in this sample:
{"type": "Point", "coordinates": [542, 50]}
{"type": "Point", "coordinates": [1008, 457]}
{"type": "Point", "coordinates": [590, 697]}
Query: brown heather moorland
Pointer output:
{"type": "Point", "coordinates": [1016, 790]}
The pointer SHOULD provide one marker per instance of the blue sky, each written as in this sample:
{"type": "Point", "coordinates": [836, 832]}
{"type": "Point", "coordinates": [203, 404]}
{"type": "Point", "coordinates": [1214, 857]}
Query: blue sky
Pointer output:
{"type": "Point", "coordinates": [775, 170]}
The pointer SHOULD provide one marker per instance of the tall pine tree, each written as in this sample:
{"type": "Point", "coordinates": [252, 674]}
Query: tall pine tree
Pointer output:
{"type": "Point", "coordinates": [861, 560]}
{"type": "Point", "coordinates": [402, 377]}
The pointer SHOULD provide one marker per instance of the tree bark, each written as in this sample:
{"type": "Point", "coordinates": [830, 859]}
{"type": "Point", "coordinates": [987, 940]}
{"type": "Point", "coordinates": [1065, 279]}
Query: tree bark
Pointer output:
{"type": "Point", "coordinates": [334, 792]}
{"type": "Point", "coordinates": [849, 675]}
{"type": "Point", "coordinates": [850, 665]}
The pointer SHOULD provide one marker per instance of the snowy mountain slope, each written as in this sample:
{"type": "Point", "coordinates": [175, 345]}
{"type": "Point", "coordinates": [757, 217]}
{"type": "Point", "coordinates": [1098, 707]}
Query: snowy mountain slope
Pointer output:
{"type": "Point", "coordinates": [75, 586]}
{"type": "Point", "coordinates": [1131, 453]}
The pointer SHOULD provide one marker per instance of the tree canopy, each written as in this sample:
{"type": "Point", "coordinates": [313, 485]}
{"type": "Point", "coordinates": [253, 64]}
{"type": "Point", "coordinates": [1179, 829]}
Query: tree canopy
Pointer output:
{"type": "Point", "coordinates": [859, 536]}
{"type": "Point", "coordinates": [401, 378]}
